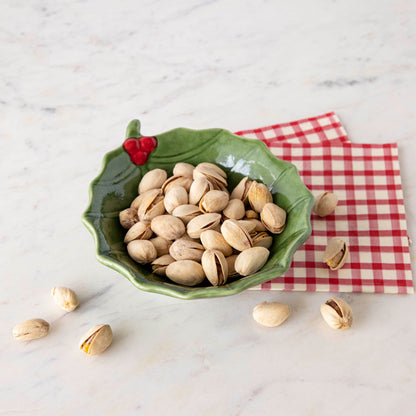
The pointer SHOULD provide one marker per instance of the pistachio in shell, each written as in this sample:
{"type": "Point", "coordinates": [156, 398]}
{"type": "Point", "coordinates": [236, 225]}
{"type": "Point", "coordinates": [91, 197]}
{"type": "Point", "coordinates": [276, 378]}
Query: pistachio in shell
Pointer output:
{"type": "Point", "coordinates": [186, 212]}
{"type": "Point", "coordinates": [140, 231]}
{"type": "Point", "coordinates": [185, 272]}
{"type": "Point", "coordinates": [202, 223]}
{"type": "Point", "coordinates": [31, 329]}
{"type": "Point", "coordinates": [96, 340]}
{"type": "Point", "coordinates": [325, 204]}
{"type": "Point", "coordinates": [141, 251]}
{"type": "Point", "coordinates": [186, 250]}
{"type": "Point", "coordinates": [273, 217]}
{"type": "Point", "coordinates": [213, 201]}
{"type": "Point", "coordinates": [198, 189]}
{"type": "Point", "coordinates": [336, 253]}
{"type": "Point", "coordinates": [241, 190]}
{"type": "Point", "coordinates": [251, 260]}
{"type": "Point", "coordinates": [128, 217]}
{"type": "Point", "coordinates": [258, 196]}
{"type": "Point", "coordinates": [151, 205]}
{"type": "Point", "coordinates": [175, 197]}
{"type": "Point", "coordinates": [179, 180]}
{"type": "Point", "coordinates": [213, 240]}
{"type": "Point", "coordinates": [183, 169]}
{"type": "Point", "coordinates": [152, 179]}
{"type": "Point", "coordinates": [262, 239]}
{"type": "Point", "coordinates": [160, 264]}
{"type": "Point", "coordinates": [168, 226]}
{"type": "Point", "coordinates": [271, 314]}
{"type": "Point", "coordinates": [231, 265]}
{"type": "Point", "coordinates": [215, 267]}
{"type": "Point", "coordinates": [161, 245]}
{"type": "Point", "coordinates": [235, 209]}
{"type": "Point", "coordinates": [337, 313]}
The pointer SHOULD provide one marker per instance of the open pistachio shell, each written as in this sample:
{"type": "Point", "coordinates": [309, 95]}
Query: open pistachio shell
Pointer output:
{"type": "Point", "coordinates": [336, 253]}
{"type": "Point", "coordinates": [337, 313]}
{"type": "Point", "coordinates": [161, 263]}
{"type": "Point", "coordinates": [152, 205]}
{"type": "Point", "coordinates": [139, 231]}
{"type": "Point", "coordinates": [186, 212]}
{"type": "Point", "coordinates": [128, 217]}
{"type": "Point", "coordinates": [215, 267]}
{"type": "Point", "coordinates": [202, 223]}
{"type": "Point", "coordinates": [273, 217]}
{"type": "Point", "coordinates": [236, 235]}
{"type": "Point", "coordinates": [96, 340]}
{"type": "Point", "coordinates": [213, 201]}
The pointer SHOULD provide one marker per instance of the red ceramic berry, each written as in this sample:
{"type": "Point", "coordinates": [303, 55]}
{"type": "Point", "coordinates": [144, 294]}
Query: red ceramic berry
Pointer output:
{"type": "Point", "coordinates": [147, 143]}
{"type": "Point", "coordinates": [139, 157]}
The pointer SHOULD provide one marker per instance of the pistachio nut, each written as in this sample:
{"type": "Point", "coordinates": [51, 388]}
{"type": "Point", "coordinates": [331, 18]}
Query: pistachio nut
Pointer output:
{"type": "Point", "coordinates": [231, 265]}
{"type": "Point", "coordinates": [337, 313]}
{"type": "Point", "coordinates": [336, 253]}
{"type": "Point", "coordinates": [128, 217]}
{"type": "Point", "coordinates": [168, 226]}
{"type": "Point", "coordinates": [273, 217]}
{"type": "Point", "coordinates": [325, 204]}
{"type": "Point", "coordinates": [213, 240]}
{"type": "Point", "coordinates": [161, 263]}
{"type": "Point", "coordinates": [152, 205]}
{"type": "Point", "coordinates": [183, 169]}
{"type": "Point", "coordinates": [96, 340]}
{"type": "Point", "coordinates": [218, 180]}
{"type": "Point", "coordinates": [236, 235]}
{"type": "Point", "coordinates": [152, 180]}
{"type": "Point", "coordinates": [140, 231]}
{"type": "Point", "coordinates": [175, 197]}
{"type": "Point", "coordinates": [141, 251]}
{"type": "Point", "coordinates": [161, 245]}
{"type": "Point", "coordinates": [186, 250]}
{"type": "Point", "coordinates": [202, 223]}
{"type": "Point", "coordinates": [137, 201]}
{"type": "Point", "coordinates": [186, 212]}
{"type": "Point", "coordinates": [215, 267]}
{"type": "Point", "coordinates": [234, 210]}
{"type": "Point", "coordinates": [258, 196]}
{"type": "Point", "coordinates": [65, 298]}
{"type": "Point", "coordinates": [185, 272]}
{"type": "Point", "coordinates": [271, 314]}
{"type": "Point", "coordinates": [241, 190]}
{"type": "Point", "coordinates": [248, 225]}
{"type": "Point", "coordinates": [204, 166]}
{"type": "Point", "coordinates": [251, 214]}
{"type": "Point", "coordinates": [198, 189]}
{"type": "Point", "coordinates": [31, 329]}
{"type": "Point", "coordinates": [213, 201]}
{"type": "Point", "coordinates": [180, 180]}
{"type": "Point", "coordinates": [251, 260]}
{"type": "Point", "coordinates": [258, 225]}
{"type": "Point", "coordinates": [262, 239]}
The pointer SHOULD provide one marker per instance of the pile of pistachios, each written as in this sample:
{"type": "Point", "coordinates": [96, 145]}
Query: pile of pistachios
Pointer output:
{"type": "Point", "coordinates": [190, 227]}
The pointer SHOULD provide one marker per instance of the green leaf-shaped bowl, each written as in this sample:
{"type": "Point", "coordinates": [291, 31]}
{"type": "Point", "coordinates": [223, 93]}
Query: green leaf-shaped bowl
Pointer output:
{"type": "Point", "coordinates": [116, 186]}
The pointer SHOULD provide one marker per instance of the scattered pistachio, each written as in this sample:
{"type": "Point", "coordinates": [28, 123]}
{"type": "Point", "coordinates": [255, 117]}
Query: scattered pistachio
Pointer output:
{"type": "Point", "coordinates": [65, 298]}
{"type": "Point", "coordinates": [31, 329]}
{"type": "Point", "coordinates": [336, 253]}
{"type": "Point", "coordinates": [337, 313]}
{"type": "Point", "coordinates": [325, 204]}
{"type": "Point", "coordinates": [271, 314]}
{"type": "Point", "coordinates": [96, 340]}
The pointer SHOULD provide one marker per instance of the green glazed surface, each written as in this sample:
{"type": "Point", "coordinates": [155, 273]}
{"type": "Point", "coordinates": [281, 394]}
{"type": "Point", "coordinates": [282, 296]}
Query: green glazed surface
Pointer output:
{"type": "Point", "coordinates": [116, 186]}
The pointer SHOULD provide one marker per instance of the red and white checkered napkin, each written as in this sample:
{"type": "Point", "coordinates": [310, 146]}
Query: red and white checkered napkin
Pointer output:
{"type": "Point", "coordinates": [370, 214]}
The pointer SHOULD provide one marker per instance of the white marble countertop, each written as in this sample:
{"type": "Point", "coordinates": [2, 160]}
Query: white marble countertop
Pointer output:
{"type": "Point", "coordinates": [72, 74]}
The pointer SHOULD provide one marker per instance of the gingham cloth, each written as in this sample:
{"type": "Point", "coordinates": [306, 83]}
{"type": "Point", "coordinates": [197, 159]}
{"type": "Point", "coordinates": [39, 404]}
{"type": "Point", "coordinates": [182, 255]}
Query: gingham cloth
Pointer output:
{"type": "Point", "coordinates": [370, 214]}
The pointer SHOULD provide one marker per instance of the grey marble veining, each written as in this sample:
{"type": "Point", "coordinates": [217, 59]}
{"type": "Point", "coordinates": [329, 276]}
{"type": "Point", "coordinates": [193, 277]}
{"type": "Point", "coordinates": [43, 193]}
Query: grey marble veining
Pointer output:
{"type": "Point", "coordinates": [72, 75]}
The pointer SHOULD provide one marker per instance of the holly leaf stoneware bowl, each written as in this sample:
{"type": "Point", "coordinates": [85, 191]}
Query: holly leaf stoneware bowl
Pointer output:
{"type": "Point", "coordinates": [117, 185]}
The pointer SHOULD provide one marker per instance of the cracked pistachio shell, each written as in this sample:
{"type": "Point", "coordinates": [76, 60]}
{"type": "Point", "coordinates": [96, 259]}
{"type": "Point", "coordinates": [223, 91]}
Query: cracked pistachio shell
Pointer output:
{"type": "Point", "coordinates": [236, 235]}
{"type": "Point", "coordinates": [168, 226]}
{"type": "Point", "coordinates": [186, 250]}
{"type": "Point", "coordinates": [183, 169]}
{"type": "Point", "coordinates": [175, 197]}
{"type": "Point", "coordinates": [152, 179]}
{"type": "Point", "coordinates": [262, 239]}
{"type": "Point", "coordinates": [251, 260]}
{"type": "Point", "coordinates": [213, 201]}
{"type": "Point", "coordinates": [258, 196]}
{"type": "Point", "coordinates": [325, 204]}
{"type": "Point", "coordinates": [235, 209]}
{"type": "Point", "coordinates": [141, 251]}
{"type": "Point", "coordinates": [152, 205]}
{"type": "Point", "coordinates": [198, 189]}
{"type": "Point", "coordinates": [215, 267]}
{"type": "Point", "coordinates": [213, 240]}
{"type": "Point", "coordinates": [161, 245]}
{"type": "Point", "coordinates": [241, 190]}
{"type": "Point", "coordinates": [231, 265]}
{"type": "Point", "coordinates": [274, 218]}
{"type": "Point", "coordinates": [218, 181]}
{"type": "Point", "coordinates": [250, 214]}
{"type": "Point", "coordinates": [186, 212]}
{"type": "Point", "coordinates": [184, 181]}
{"type": "Point", "coordinates": [271, 314]}
{"type": "Point", "coordinates": [139, 231]}
{"type": "Point", "coordinates": [96, 340]}
{"type": "Point", "coordinates": [65, 298]}
{"type": "Point", "coordinates": [31, 329]}
{"type": "Point", "coordinates": [128, 217]}
{"type": "Point", "coordinates": [202, 223]}
{"type": "Point", "coordinates": [336, 253]}
{"type": "Point", "coordinates": [337, 313]}
{"type": "Point", "coordinates": [161, 263]}
{"type": "Point", "coordinates": [185, 272]}
{"type": "Point", "coordinates": [206, 166]}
